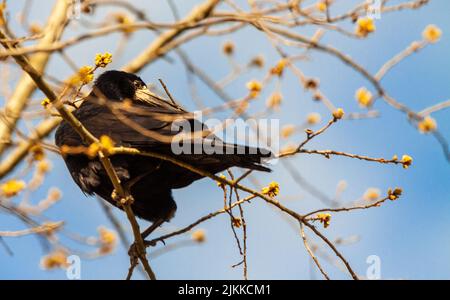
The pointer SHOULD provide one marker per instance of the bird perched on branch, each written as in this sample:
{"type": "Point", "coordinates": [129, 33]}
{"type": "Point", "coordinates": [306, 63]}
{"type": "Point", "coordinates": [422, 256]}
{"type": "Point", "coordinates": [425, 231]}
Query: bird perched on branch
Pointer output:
{"type": "Point", "coordinates": [122, 108]}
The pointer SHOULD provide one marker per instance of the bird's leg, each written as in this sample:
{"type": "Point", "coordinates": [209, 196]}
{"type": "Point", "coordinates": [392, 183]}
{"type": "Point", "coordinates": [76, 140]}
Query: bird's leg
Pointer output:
{"type": "Point", "coordinates": [136, 179]}
{"type": "Point", "coordinates": [133, 248]}
{"type": "Point", "coordinates": [151, 228]}
{"type": "Point", "coordinates": [133, 181]}
{"type": "Point", "coordinates": [155, 225]}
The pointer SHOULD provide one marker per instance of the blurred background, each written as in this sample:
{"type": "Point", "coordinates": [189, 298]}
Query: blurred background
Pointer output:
{"type": "Point", "coordinates": [411, 236]}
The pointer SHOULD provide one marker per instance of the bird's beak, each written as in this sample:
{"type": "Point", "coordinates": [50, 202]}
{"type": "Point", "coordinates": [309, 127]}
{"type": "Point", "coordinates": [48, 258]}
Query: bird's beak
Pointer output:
{"type": "Point", "coordinates": [145, 95]}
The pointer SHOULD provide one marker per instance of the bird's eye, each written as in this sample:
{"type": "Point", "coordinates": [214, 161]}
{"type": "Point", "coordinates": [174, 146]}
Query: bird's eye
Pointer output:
{"type": "Point", "coordinates": [138, 84]}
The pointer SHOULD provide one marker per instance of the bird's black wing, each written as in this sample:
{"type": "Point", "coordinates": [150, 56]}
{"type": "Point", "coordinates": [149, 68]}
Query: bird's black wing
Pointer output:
{"type": "Point", "coordinates": [152, 128]}
{"type": "Point", "coordinates": [155, 130]}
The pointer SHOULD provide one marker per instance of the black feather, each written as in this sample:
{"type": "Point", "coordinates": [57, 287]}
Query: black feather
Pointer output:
{"type": "Point", "coordinates": [149, 180]}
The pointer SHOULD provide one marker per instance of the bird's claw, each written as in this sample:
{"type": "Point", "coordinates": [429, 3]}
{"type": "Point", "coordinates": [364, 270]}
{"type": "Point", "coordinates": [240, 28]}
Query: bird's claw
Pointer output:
{"type": "Point", "coordinates": [153, 243]}
{"type": "Point", "coordinates": [135, 251]}
{"type": "Point", "coordinates": [150, 243]}
{"type": "Point", "coordinates": [132, 251]}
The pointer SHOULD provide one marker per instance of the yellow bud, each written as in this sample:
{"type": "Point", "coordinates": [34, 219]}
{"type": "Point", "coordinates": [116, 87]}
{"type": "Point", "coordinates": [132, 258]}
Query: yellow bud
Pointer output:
{"type": "Point", "coordinates": [313, 118]}
{"type": "Point", "coordinates": [325, 219]}
{"type": "Point", "coordinates": [37, 152]}
{"type": "Point", "coordinates": [102, 60]}
{"type": "Point", "coordinates": [372, 194]}
{"type": "Point", "coordinates": [287, 130]}
{"type": "Point", "coordinates": [338, 113]}
{"type": "Point", "coordinates": [12, 187]}
{"type": "Point", "coordinates": [364, 27]}
{"type": "Point", "coordinates": [274, 100]}
{"type": "Point", "coordinates": [107, 239]}
{"type": "Point", "coordinates": [56, 259]}
{"type": "Point", "coordinates": [228, 48]}
{"type": "Point", "coordinates": [45, 102]}
{"type": "Point", "coordinates": [237, 222]}
{"type": "Point", "coordinates": [43, 166]}
{"type": "Point", "coordinates": [279, 68]}
{"type": "Point", "coordinates": [257, 61]}
{"type": "Point", "coordinates": [427, 125]}
{"type": "Point", "coordinates": [220, 184]}
{"type": "Point", "coordinates": [406, 161]}
{"type": "Point", "coordinates": [321, 6]}
{"type": "Point", "coordinates": [93, 150]}
{"type": "Point", "coordinates": [35, 28]}
{"type": "Point", "coordinates": [199, 236]}
{"type": "Point", "coordinates": [84, 76]}
{"type": "Point", "coordinates": [288, 149]}
{"type": "Point", "coordinates": [272, 190]}
{"type": "Point", "coordinates": [107, 144]}
{"type": "Point", "coordinates": [432, 33]}
{"type": "Point", "coordinates": [394, 194]}
{"type": "Point", "coordinates": [125, 20]}
{"type": "Point", "coordinates": [254, 86]}
{"type": "Point", "coordinates": [364, 97]}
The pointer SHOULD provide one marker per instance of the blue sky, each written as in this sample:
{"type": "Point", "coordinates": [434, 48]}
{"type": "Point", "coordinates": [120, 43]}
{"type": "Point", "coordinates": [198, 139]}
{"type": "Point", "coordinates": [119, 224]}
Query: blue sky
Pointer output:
{"type": "Point", "coordinates": [411, 236]}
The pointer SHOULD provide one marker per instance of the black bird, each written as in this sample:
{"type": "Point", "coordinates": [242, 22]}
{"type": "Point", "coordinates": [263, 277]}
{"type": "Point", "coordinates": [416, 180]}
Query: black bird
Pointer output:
{"type": "Point", "coordinates": [121, 107]}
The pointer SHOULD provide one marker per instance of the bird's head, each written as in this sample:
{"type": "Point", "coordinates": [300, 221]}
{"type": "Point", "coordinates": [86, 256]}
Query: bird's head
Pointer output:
{"type": "Point", "coordinates": [119, 86]}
